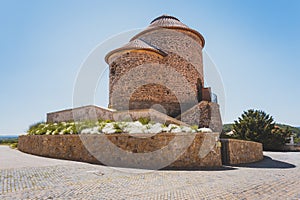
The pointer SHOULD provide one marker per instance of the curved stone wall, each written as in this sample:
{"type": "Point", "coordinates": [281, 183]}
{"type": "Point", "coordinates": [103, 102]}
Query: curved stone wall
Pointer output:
{"type": "Point", "coordinates": [71, 147]}
{"type": "Point", "coordinates": [202, 152]}
{"type": "Point", "coordinates": [176, 42]}
{"type": "Point", "coordinates": [176, 82]}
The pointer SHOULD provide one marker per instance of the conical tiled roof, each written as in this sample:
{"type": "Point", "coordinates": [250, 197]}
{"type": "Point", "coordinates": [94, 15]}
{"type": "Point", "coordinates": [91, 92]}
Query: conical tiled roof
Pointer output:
{"type": "Point", "coordinates": [135, 44]}
{"type": "Point", "coordinates": [164, 21]}
{"type": "Point", "coordinates": [138, 44]}
{"type": "Point", "coordinates": [167, 21]}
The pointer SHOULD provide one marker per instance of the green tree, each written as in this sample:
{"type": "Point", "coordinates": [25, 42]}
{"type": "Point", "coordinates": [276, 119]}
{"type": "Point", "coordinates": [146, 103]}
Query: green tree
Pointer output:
{"type": "Point", "coordinates": [280, 136]}
{"type": "Point", "coordinates": [256, 125]}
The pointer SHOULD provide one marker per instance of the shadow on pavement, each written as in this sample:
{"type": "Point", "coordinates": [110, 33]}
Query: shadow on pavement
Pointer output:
{"type": "Point", "coordinates": [222, 168]}
{"type": "Point", "coordinates": [268, 162]}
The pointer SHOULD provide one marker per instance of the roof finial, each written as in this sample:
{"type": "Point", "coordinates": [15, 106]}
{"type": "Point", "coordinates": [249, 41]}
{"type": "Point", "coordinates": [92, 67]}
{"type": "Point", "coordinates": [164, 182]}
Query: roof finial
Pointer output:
{"type": "Point", "coordinates": [164, 16]}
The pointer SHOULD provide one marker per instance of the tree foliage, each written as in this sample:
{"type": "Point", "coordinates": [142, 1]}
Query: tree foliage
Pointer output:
{"type": "Point", "coordinates": [256, 125]}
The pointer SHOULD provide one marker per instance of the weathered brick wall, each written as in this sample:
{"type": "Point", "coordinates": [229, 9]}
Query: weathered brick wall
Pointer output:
{"type": "Point", "coordinates": [71, 147]}
{"type": "Point", "coordinates": [241, 151]}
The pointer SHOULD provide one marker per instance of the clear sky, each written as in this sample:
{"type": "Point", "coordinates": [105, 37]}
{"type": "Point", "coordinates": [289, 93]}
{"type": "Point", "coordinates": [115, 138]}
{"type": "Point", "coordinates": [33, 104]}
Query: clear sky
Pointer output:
{"type": "Point", "coordinates": [255, 45]}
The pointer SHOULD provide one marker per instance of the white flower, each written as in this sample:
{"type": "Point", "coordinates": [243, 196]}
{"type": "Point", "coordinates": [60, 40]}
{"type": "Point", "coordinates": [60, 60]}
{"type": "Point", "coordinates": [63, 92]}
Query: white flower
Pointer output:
{"type": "Point", "coordinates": [48, 132]}
{"type": "Point", "coordinates": [173, 128]}
{"type": "Point", "coordinates": [230, 133]}
{"type": "Point", "coordinates": [176, 130]}
{"type": "Point", "coordinates": [134, 127]}
{"type": "Point", "coordinates": [155, 128]}
{"type": "Point", "coordinates": [186, 129]}
{"type": "Point", "coordinates": [94, 130]}
{"type": "Point", "coordinates": [204, 130]}
{"type": "Point", "coordinates": [137, 127]}
{"type": "Point", "coordinates": [55, 132]}
{"type": "Point", "coordinates": [122, 125]}
{"type": "Point", "coordinates": [109, 128]}
{"type": "Point", "coordinates": [168, 128]}
{"type": "Point", "coordinates": [86, 131]}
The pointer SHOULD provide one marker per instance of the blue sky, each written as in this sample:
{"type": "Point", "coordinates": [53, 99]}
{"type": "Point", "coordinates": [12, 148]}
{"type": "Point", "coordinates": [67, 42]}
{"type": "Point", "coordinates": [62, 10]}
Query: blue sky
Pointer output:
{"type": "Point", "coordinates": [254, 44]}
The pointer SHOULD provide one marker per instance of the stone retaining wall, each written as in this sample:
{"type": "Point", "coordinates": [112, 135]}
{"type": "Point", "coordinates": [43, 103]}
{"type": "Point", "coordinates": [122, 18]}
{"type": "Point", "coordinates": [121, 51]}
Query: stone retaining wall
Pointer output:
{"type": "Point", "coordinates": [201, 150]}
{"type": "Point", "coordinates": [68, 147]}
{"type": "Point", "coordinates": [291, 147]}
{"type": "Point", "coordinates": [240, 151]}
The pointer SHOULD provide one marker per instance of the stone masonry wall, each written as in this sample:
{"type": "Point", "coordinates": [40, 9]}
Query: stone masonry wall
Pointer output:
{"type": "Point", "coordinates": [172, 79]}
{"type": "Point", "coordinates": [71, 147]}
{"type": "Point", "coordinates": [179, 42]}
{"type": "Point", "coordinates": [205, 114]}
{"type": "Point", "coordinates": [241, 151]}
{"type": "Point", "coordinates": [68, 147]}
{"type": "Point", "coordinates": [201, 153]}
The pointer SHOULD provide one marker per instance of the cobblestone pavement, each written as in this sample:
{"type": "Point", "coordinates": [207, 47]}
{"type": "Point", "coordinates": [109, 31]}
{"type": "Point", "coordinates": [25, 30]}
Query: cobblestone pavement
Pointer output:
{"type": "Point", "coordinates": [276, 177]}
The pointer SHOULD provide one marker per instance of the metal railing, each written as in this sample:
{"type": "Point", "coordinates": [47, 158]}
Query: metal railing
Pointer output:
{"type": "Point", "coordinates": [214, 98]}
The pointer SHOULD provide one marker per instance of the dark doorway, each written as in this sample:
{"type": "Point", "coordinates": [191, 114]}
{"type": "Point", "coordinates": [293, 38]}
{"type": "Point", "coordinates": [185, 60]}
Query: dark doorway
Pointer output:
{"type": "Point", "coordinates": [199, 90]}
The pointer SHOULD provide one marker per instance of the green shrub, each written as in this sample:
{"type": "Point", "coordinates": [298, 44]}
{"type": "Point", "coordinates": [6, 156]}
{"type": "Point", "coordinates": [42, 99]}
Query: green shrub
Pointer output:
{"type": "Point", "coordinates": [42, 128]}
{"type": "Point", "coordinates": [195, 127]}
{"type": "Point", "coordinates": [117, 127]}
{"type": "Point", "coordinates": [144, 120]}
{"type": "Point", "coordinates": [8, 141]}
{"type": "Point", "coordinates": [14, 145]}
{"type": "Point", "coordinates": [257, 126]}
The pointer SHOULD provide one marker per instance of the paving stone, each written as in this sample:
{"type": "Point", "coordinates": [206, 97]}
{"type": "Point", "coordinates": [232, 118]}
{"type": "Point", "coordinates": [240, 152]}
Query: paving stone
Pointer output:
{"type": "Point", "coordinates": [55, 179]}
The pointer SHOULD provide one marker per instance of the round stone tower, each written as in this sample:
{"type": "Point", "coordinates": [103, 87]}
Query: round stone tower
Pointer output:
{"type": "Point", "coordinates": [160, 68]}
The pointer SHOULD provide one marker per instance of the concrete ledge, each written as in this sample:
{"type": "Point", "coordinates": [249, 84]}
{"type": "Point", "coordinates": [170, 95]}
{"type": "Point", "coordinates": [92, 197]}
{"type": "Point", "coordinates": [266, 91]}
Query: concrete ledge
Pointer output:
{"type": "Point", "coordinates": [92, 112]}
{"type": "Point", "coordinates": [201, 152]}
{"type": "Point", "coordinates": [240, 151]}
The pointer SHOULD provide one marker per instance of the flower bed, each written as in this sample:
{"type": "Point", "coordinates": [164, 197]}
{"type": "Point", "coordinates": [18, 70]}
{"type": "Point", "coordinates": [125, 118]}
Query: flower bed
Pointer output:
{"type": "Point", "coordinates": [109, 127]}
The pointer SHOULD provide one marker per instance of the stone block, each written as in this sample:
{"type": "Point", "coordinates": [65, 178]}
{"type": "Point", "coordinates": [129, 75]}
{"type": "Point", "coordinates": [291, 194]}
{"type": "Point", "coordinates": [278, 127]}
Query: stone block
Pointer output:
{"type": "Point", "coordinates": [240, 151]}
